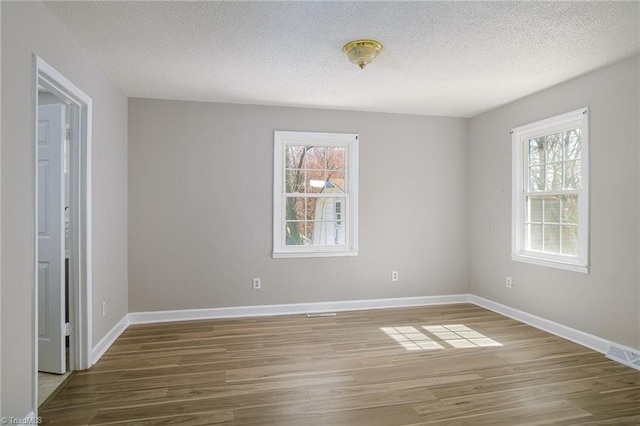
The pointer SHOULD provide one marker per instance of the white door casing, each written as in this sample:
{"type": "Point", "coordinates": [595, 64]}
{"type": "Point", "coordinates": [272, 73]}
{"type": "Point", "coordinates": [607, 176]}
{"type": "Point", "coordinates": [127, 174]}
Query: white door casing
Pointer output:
{"type": "Point", "coordinates": [51, 241]}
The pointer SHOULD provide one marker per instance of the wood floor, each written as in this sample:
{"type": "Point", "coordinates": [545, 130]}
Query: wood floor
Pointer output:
{"type": "Point", "coordinates": [49, 384]}
{"type": "Point", "coordinates": [442, 365]}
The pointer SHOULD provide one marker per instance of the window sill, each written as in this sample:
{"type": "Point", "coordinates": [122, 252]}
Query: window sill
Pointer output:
{"type": "Point", "coordinates": [294, 254]}
{"type": "Point", "coordinates": [552, 263]}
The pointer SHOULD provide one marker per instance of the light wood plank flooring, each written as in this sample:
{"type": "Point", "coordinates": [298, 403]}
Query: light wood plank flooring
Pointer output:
{"type": "Point", "coordinates": [442, 365]}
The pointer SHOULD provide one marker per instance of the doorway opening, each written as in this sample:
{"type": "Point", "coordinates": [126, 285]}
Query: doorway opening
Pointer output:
{"type": "Point", "coordinates": [62, 227]}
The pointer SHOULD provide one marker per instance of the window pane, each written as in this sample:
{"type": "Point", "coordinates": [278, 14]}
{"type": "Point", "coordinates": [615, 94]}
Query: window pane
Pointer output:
{"type": "Point", "coordinates": [535, 209]}
{"type": "Point", "coordinates": [551, 238]}
{"type": "Point", "coordinates": [536, 151]}
{"type": "Point", "coordinates": [551, 210]}
{"type": "Point", "coordinates": [310, 210]}
{"type": "Point", "coordinates": [295, 208]}
{"type": "Point", "coordinates": [570, 209]}
{"type": "Point", "coordinates": [573, 144]}
{"type": "Point", "coordinates": [570, 240]}
{"type": "Point", "coordinates": [315, 158]}
{"type": "Point", "coordinates": [572, 175]}
{"type": "Point", "coordinates": [536, 178]}
{"type": "Point", "coordinates": [296, 234]}
{"type": "Point", "coordinates": [315, 180]}
{"type": "Point", "coordinates": [337, 182]}
{"type": "Point", "coordinates": [535, 237]}
{"type": "Point", "coordinates": [335, 158]}
{"type": "Point", "coordinates": [294, 181]}
{"type": "Point", "coordinates": [554, 176]}
{"type": "Point", "coordinates": [293, 155]}
{"type": "Point", "coordinates": [554, 148]}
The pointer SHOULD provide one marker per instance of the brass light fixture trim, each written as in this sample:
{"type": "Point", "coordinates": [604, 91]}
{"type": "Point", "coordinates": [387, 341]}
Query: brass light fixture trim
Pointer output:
{"type": "Point", "coordinates": [362, 52]}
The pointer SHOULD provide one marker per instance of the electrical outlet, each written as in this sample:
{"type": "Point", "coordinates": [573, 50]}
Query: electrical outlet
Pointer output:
{"type": "Point", "coordinates": [394, 276]}
{"type": "Point", "coordinates": [508, 282]}
{"type": "Point", "coordinates": [104, 308]}
{"type": "Point", "coordinates": [256, 284]}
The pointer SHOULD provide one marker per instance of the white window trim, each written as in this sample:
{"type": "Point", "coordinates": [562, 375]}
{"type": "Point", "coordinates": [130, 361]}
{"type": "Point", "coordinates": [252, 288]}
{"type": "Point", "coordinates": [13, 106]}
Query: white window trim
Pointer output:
{"type": "Point", "coordinates": [579, 263]}
{"type": "Point", "coordinates": [349, 212]}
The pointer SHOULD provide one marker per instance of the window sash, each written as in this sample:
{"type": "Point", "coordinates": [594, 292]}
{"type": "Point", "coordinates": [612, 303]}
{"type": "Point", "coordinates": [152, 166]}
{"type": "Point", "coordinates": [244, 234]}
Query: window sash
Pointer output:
{"type": "Point", "coordinates": [345, 223]}
{"type": "Point", "coordinates": [564, 227]}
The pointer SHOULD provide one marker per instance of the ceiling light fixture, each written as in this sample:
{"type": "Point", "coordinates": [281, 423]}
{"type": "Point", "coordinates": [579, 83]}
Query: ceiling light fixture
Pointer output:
{"type": "Point", "coordinates": [362, 52]}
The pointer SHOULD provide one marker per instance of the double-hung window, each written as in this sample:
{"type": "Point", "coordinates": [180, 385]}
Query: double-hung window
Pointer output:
{"type": "Point", "coordinates": [315, 194]}
{"type": "Point", "coordinates": [550, 192]}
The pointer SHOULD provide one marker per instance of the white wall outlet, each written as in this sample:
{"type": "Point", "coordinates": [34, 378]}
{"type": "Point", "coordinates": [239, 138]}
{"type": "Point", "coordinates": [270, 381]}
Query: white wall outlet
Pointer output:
{"type": "Point", "coordinates": [394, 276]}
{"type": "Point", "coordinates": [256, 284]}
{"type": "Point", "coordinates": [104, 308]}
{"type": "Point", "coordinates": [508, 282]}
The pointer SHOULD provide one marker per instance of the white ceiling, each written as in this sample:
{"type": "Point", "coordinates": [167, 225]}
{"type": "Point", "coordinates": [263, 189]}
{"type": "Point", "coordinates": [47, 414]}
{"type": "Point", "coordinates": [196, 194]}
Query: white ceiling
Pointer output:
{"type": "Point", "coordinates": [440, 58]}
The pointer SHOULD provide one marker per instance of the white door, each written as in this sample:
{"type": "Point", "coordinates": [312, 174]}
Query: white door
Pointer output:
{"type": "Point", "coordinates": [51, 336]}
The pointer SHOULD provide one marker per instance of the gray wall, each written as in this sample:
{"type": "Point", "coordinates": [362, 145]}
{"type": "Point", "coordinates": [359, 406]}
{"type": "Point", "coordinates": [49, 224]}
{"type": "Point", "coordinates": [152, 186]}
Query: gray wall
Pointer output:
{"type": "Point", "coordinates": [606, 301]}
{"type": "Point", "coordinates": [28, 28]}
{"type": "Point", "coordinates": [200, 207]}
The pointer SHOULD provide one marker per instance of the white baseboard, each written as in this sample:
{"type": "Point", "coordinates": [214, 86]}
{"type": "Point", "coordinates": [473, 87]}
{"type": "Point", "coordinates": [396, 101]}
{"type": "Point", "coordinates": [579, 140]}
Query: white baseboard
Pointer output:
{"type": "Point", "coordinates": [580, 337]}
{"type": "Point", "coordinates": [295, 308]}
{"type": "Point", "coordinates": [108, 340]}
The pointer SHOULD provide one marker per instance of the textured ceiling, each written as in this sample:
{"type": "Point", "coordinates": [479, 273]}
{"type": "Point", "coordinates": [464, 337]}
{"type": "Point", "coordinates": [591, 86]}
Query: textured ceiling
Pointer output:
{"type": "Point", "coordinates": [440, 58]}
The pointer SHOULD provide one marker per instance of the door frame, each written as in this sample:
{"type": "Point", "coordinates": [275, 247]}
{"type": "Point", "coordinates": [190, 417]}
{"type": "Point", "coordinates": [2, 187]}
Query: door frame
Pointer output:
{"type": "Point", "coordinates": [80, 104]}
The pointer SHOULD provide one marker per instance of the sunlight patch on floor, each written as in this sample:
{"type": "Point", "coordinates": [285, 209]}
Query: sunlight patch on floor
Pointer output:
{"type": "Point", "coordinates": [411, 338]}
{"type": "Point", "coordinates": [456, 335]}
{"type": "Point", "coordinates": [460, 336]}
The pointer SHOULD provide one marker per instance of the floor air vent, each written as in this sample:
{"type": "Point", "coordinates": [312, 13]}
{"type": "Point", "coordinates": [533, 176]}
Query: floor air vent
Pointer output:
{"type": "Point", "coordinates": [626, 356]}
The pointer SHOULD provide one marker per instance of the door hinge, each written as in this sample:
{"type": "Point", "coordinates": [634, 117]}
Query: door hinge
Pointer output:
{"type": "Point", "coordinates": [68, 134]}
{"type": "Point", "coordinates": [68, 329]}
